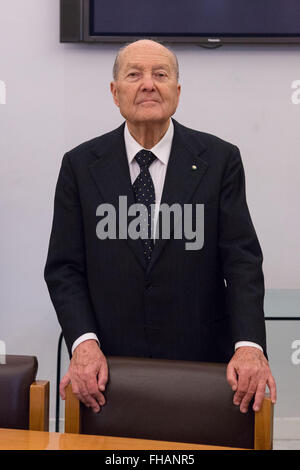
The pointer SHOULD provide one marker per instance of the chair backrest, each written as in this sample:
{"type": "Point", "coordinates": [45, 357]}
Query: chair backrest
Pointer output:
{"type": "Point", "coordinates": [168, 400]}
{"type": "Point", "coordinates": [24, 402]}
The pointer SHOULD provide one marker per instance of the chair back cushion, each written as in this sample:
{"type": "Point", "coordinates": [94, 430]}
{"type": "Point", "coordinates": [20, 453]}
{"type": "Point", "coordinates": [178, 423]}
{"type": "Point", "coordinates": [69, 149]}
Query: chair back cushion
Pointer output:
{"type": "Point", "coordinates": [16, 376]}
{"type": "Point", "coordinates": [170, 400]}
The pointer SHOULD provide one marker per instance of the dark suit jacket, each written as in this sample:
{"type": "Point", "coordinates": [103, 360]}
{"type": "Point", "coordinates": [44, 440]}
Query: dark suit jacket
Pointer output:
{"type": "Point", "coordinates": [179, 307]}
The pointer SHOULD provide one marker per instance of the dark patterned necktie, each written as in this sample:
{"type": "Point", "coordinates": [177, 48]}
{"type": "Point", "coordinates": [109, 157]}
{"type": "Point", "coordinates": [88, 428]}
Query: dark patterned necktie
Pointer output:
{"type": "Point", "coordinates": [144, 194]}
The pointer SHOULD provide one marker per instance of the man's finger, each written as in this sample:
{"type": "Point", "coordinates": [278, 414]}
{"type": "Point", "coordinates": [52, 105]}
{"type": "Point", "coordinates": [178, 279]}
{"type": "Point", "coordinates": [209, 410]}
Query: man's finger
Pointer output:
{"type": "Point", "coordinates": [63, 383]}
{"type": "Point", "coordinates": [259, 395]}
{"type": "Point", "coordinates": [242, 387]}
{"type": "Point", "coordinates": [252, 388]}
{"type": "Point", "coordinates": [232, 376]}
{"type": "Point", "coordinates": [103, 376]}
{"type": "Point", "coordinates": [272, 387]}
{"type": "Point", "coordinates": [92, 387]}
{"type": "Point", "coordinates": [81, 392]}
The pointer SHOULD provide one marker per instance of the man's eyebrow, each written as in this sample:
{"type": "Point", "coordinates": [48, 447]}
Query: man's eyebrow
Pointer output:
{"type": "Point", "coordinates": [161, 66]}
{"type": "Point", "coordinates": [133, 66]}
{"type": "Point", "coordinates": [140, 67]}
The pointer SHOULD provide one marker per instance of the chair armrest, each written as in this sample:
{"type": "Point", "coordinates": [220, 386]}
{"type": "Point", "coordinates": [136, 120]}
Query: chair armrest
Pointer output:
{"type": "Point", "coordinates": [72, 412]}
{"type": "Point", "coordinates": [263, 427]}
{"type": "Point", "coordinates": [39, 406]}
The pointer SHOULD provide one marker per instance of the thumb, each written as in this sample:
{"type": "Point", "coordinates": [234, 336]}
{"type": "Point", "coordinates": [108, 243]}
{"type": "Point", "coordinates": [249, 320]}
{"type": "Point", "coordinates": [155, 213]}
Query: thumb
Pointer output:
{"type": "Point", "coordinates": [63, 383]}
{"type": "Point", "coordinates": [232, 376]}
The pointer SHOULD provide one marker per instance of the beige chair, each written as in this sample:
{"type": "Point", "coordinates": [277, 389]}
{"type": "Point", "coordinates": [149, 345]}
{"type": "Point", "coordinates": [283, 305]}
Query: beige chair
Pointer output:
{"type": "Point", "coordinates": [24, 402]}
{"type": "Point", "coordinates": [165, 400]}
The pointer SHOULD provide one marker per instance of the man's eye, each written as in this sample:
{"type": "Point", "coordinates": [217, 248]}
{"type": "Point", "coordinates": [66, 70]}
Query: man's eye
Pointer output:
{"type": "Point", "coordinates": [161, 74]}
{"type": "Point", "coordinates": [132, 74]}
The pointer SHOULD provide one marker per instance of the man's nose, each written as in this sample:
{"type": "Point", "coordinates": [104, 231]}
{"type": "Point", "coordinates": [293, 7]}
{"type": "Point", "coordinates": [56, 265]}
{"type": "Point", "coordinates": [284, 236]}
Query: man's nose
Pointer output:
{"type": "Point", "coordinates": [148, 83]}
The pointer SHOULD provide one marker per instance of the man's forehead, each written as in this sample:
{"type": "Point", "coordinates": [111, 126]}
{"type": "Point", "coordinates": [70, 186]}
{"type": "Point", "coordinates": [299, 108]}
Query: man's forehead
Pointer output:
{"type": "Point", "coordinates": [143, 54]}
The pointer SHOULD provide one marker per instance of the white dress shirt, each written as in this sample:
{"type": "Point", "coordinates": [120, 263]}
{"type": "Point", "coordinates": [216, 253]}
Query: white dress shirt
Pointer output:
{"type": "Point", "coordinates": [157, 170]}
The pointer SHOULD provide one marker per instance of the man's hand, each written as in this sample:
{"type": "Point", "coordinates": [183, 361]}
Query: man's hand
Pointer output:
{"type": "Point", "coordinates": [248, 373]}
{"type": "Point", "coordinates": [88, 373]}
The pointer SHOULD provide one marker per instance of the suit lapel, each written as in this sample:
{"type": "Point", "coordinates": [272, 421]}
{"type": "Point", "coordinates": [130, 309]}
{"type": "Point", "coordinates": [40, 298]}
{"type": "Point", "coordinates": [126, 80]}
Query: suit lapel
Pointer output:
{"type": "Point", "coordinates": [112, 178]}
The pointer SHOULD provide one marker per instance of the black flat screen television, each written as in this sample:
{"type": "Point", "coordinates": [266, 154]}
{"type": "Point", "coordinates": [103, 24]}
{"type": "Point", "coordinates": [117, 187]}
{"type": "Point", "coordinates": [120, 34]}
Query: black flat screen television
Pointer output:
{"type": "Point", "coordinates": [181, 21]}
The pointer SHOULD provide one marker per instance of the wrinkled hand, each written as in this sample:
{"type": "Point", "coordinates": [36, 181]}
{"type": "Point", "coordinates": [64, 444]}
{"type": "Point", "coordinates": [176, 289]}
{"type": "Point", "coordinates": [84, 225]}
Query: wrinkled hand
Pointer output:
{"type": "Point", "coordinates": [248, 373]}
{"type": "Point", "coordinates": [88, 373]}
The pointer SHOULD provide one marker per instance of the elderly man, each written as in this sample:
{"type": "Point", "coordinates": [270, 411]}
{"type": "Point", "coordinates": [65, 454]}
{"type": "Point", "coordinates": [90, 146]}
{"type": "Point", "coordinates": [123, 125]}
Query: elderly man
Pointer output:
{"type": "Point", "coordinates": [151, 296]}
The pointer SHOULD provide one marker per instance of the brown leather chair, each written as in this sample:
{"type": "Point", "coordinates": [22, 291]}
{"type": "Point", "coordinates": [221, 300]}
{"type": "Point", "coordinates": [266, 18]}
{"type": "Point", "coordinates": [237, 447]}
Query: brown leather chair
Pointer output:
{"type": "Point", "coordinates": [24, 402]}
{"type": "Point", "coordinates": [167, 400]}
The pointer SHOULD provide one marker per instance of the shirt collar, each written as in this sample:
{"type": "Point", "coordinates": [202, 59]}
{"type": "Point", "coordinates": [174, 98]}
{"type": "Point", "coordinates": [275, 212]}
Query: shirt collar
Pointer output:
{"type": "Point", "coordinates": [161, 150]}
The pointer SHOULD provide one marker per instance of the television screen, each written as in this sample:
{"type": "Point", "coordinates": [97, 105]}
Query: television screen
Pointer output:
{"type": "Point", "coordinates": [195, 18]}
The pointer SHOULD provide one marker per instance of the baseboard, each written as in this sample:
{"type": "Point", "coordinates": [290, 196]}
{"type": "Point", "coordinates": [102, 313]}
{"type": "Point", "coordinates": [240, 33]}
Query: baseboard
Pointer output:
{"type": "Point", "coordinates": [52, 425]}
{"type": "Point", "coordinates": [286, 428]}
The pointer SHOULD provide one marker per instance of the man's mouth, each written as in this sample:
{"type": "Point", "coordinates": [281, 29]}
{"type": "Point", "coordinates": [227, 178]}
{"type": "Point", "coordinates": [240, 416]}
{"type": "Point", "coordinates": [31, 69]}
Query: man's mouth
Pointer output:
{"type": "Point", "coordinates": [148, 100]}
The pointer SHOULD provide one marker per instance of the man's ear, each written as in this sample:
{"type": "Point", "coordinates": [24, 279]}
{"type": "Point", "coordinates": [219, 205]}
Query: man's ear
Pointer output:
{"type": "Point", "coordinates": [113, 89]}
{"type": "Point", "coordinates": [178, 91]}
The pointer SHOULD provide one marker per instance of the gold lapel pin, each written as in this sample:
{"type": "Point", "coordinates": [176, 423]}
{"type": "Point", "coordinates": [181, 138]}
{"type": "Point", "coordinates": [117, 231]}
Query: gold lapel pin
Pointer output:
{"type": "Point", "coordinates": [194, 167]}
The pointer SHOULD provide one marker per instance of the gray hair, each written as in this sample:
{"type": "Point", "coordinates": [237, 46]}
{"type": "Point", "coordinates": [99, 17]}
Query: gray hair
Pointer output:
{"type": "Point", "coordinates": [116, 66]}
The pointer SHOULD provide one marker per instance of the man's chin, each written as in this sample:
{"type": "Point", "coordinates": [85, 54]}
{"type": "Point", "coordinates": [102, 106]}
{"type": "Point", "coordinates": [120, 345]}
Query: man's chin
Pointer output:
{"type": "Point", "coordinates": [150, 117]}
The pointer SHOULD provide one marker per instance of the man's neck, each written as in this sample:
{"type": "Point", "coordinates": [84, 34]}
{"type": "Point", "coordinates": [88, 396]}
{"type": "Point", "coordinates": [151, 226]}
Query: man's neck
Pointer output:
{"type": "Point", "coordinates": [148, 134]}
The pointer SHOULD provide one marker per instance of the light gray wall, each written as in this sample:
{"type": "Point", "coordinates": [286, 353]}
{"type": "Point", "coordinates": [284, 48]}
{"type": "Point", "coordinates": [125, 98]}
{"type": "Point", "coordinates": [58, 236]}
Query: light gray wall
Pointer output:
{"type": "Point", "coordinates": [57, 95]}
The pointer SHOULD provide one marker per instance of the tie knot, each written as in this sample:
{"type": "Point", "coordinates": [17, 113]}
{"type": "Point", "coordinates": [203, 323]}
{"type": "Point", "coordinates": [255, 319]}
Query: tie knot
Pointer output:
{"type": "Point", "coordinates": [145, 158]}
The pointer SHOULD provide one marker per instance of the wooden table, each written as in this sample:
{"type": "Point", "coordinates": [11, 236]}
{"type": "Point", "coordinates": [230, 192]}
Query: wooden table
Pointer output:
{"type": "Point", "coordinates": [15, 439]}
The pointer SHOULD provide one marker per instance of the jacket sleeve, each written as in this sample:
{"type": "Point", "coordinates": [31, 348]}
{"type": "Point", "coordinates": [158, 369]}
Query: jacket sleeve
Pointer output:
{"type": "Point", "coordinates": [65, 269]}
{"type": "Point", "coordinates": [241, 257]}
